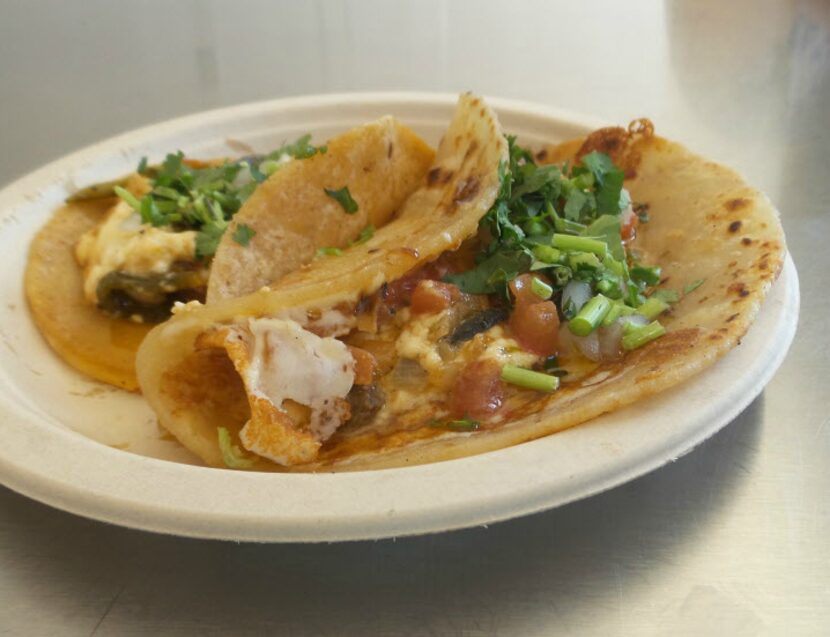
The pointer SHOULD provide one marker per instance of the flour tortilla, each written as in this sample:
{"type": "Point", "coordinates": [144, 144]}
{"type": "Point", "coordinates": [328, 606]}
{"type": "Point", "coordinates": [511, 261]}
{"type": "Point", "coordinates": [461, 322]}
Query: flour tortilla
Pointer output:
{"type": "Point", "coordinates": [706, 223]}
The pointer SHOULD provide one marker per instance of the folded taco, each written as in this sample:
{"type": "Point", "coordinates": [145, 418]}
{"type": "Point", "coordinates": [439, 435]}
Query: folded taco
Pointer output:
{"type": "Point", "coordinates": [514, 294]}
{"type": "Point", "coordinates": [111, 263]}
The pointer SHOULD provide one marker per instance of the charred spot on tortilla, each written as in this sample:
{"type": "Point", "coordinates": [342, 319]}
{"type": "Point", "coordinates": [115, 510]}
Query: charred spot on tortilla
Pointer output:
{"type": "Point", "coordinates": [465, 190]}
{"type": "Point", "coordinates": [734, 226]}
{"type": "Point", "coordinates": [736, 204]}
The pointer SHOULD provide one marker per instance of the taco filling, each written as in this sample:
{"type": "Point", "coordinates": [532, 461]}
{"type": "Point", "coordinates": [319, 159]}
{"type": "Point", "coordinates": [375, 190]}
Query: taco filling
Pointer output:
{"type": "Point", "coordinates": [544, 292]}
{"type": "Point", "coordinates": [155, 245]}
{"type": "Point", "coordinates": [512, 295]}
{"type": "Point", "coordinates": [113, 261]}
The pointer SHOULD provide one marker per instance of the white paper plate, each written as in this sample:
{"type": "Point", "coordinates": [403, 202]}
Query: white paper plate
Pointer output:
{"type": "Point", "coordinates": [64, 437]}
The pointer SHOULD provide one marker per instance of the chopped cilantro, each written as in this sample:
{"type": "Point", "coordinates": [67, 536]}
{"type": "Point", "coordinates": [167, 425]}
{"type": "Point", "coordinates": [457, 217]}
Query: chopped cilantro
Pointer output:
{"type": "Point", "coordinates": [205, 198]}
{"type": "Point", "coordinates": [207, 240]}
{"type": "Point", "coordinates": [243, 234]}
{"type": "Point", "coordinates": [329, 252]}
{"type": "Point", "coordinates": [492, 274]}
{"type": "Point", "coordinates": [651, 276]}
{"type": "Point", "coordinates": [300, 149]}
{"type": "Point", "coordinates": [344, 198]}
{"type": "Point", "coordinates": [669, 296]}
{"type": "Point", "coordinates": [694, 285]}
{"type": "Point", "coordinates": [563, 222]}
{"type": "Point", "coordinates": [367, 233]}
{"type": "Point", "coordinates": [607, 228]}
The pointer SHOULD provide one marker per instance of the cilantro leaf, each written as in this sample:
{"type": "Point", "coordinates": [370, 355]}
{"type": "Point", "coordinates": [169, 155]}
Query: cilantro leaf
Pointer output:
{"type": "Point", "coordinates": [576, 202]}
{"type": "Point", "coordinates": [669, 296]}
{"type": "Point", "coordinates": [300, 149]}
{"type": "Point", "coordinates": [610, 181]}
{"type": "Point", "coordinates": [367, 233]}
{"type": "Point", "coordinates": [207, 240]}
{"type": "Point", "coordinates": [491, 274]}
{"type": "Point", "coordinates": [344, 198]}
{"type": "Point", "coordinates": [243, 234]}
{"type": "Point", "coordinates": [607, 228]}
{"type": "Point", "coordinates": [694, 285]}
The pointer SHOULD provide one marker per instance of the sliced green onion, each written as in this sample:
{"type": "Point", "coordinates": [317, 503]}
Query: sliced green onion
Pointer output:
{"type": "Point", "coordinates": [129, 197]}
{"type": "Point", "coordinates": [638, 336]}
{"type": "Point", "coordinates": [462, 424]}
{"type": "Point", "coordinates": [528, 378]}
{"type": "Point", "coordinates": [329, 252]}
{"type": "Point", "coordinates": [610, 286]}
{"type": "Point", "coordinates": [615, 312]}
{"type": "Point", "coordinates": [579, 244]}
{"type": "Point", "coordinates": [232, 455]}
{"type": "Point", "coordinates": [615, 266]}
{"type": "Point", "coordinates": [541, 289]}
{"type": "Point", "coordinates": [167, 193]}
{"type": "Point", "coordinates": [652, 308]}
{"type": "Point", "coordinates": [590, 316]}
{"type": "Point", "coordinates": [547, 254]}
{"type": "Point", "coordinates": [535, 227]}
{"type": "Point", "coordinates": [269, 166]}
{"type": "Point", "coordinates": [587, 260]}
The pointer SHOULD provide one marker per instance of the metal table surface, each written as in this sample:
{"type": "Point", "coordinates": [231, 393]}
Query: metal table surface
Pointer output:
{"type": "Point", "coordinates": [732, 539]}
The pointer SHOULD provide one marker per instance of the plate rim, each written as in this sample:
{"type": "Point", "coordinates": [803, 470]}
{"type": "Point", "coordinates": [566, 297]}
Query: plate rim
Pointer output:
{"type": "Point", "coordinates": [103, 506]}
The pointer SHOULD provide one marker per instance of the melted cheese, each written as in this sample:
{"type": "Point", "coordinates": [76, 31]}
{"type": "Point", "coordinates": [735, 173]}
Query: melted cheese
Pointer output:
{"type": "Point", "coordinates": [505, 350]}
{"type": "Point", "coordinates": [420, 340]}
{"type": "Point", "coordinates": [122, 243]}
{"type": "Point", "coordinates": [290, 363]}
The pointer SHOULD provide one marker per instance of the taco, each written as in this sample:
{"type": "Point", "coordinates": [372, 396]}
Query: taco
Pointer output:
{"type": "Point", "coordinates": [111, 263]}
{"type": "Point", "coordinates": [510, 298]}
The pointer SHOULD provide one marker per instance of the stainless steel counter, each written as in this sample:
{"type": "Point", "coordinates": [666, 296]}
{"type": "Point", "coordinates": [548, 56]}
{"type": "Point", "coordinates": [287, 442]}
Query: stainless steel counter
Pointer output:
{"type": "Point", "coordinates": [732, 539]}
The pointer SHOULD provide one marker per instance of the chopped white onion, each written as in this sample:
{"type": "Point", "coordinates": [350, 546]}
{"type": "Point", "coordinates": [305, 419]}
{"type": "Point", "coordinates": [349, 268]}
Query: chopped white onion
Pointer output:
{"type": "Point", "coordinates": [610, 341]}
{"type": "Point", "coordinates": [635, 319]}
{"type": "Point", "coordinates": [577, 293]}
{"type": "Point", "coordinates": [588, 346]}
{"type": "Point", "coordinates": [603, 344]}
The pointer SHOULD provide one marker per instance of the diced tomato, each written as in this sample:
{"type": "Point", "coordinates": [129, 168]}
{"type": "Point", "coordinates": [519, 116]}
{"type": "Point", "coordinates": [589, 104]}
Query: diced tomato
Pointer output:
{"type": "Point", "coordinates": [628, 231]}
{"type": "Point", "coordinates": [536, 327]}
{"type": "Point", "coordinates": [398, 294]}
{"type": "Point", "coordinates": [522, 291]}
{"type": "Point", "coordinates": [479, 391]}
{"type": "Point", "coordinates": [433, 296]}
{"type": "Point", "coordinates": [534, 322]}
{"type": "Point", "coordinates": [364, 366]}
